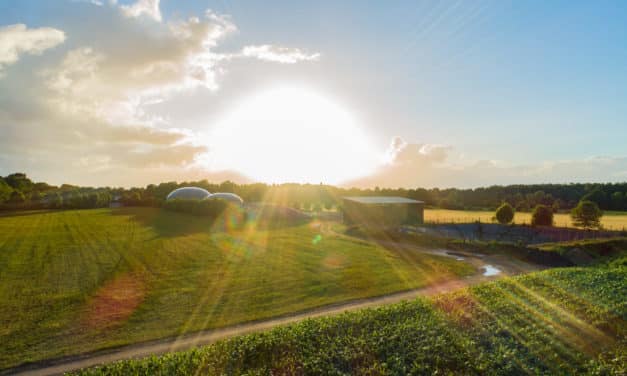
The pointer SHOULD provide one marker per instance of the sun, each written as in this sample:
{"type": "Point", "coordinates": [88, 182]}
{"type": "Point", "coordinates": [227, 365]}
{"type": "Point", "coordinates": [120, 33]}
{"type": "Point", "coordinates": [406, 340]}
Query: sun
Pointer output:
{"type": "Point", "coordinates": [291, 134]}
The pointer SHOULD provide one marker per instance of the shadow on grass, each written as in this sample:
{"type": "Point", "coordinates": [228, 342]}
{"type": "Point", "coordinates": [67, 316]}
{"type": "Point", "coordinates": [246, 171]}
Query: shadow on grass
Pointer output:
{"type": "Point", "coordinates": [167, 223]}
{"type": "Point", "coordinates": [22, 213]}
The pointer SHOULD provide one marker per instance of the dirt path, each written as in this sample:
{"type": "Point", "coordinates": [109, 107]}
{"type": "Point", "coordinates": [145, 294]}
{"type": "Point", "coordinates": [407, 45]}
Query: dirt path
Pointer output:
{"type": "Point", "coordinates": [145, 349]}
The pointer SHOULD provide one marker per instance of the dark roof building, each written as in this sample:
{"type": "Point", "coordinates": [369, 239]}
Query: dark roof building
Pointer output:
{"type": "Point", "coordinates": [382, 211]}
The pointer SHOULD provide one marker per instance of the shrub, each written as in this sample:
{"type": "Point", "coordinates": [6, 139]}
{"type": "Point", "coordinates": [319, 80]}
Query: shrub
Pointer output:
{"type": "Point", "coordinates": [587, 215]}
{"type": "Point", "coordinates": [505, 213]}
{"type": "Point", "coordinates": [542, 215]}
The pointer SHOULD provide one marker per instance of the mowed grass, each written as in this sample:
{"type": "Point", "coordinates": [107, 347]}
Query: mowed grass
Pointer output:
{"type": "Point", "coordinates": [78, 281]}
{"type": "Point", "coordinates": [610, 220]}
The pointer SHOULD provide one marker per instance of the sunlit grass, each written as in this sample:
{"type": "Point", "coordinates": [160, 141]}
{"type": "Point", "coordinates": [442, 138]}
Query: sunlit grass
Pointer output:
{"type": "Point", "coordinates": [76, 281]}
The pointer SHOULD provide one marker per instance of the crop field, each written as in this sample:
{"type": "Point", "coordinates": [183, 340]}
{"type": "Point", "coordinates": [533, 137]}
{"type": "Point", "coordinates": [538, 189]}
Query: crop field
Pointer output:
{"type": "Point", "coordinates": [82, 280]}
{"type": "Point", "coordinates": [610, 220]}
{"type": "Point", "coordinates": [561, 321]}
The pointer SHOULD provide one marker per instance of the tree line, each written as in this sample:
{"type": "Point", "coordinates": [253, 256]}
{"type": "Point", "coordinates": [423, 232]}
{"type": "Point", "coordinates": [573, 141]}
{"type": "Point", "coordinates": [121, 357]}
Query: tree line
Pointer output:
{"type": "Point", "coordinates": [17, 191]}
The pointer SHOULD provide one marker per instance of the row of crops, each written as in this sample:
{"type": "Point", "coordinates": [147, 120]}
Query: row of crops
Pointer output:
{"type": "Point", "coordinates": [560, 321]}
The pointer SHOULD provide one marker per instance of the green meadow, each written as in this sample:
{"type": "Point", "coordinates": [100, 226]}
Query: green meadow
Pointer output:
{"type": "Point", "coordinates": [82, 280]}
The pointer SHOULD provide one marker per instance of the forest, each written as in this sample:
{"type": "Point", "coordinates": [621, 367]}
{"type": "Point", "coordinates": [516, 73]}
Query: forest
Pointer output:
{"type": "Point", "coordinates": [19, 192]}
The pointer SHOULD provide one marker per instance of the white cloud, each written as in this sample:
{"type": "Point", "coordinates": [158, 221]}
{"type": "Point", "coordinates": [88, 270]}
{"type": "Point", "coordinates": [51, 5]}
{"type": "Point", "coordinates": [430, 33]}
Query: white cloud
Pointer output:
{"type": "Point", "coordinates": [431, 165]}
{"type": "Point", "coordinates": [279, 54]}
{"type": "Point", "coordinates": [115, 82]}
{"type": "Point", "coordinates": [17, 39]}
{"type": "Point", "coordinates": [149, 8]}
{"type": "Point", "coordinates": [94, 107]}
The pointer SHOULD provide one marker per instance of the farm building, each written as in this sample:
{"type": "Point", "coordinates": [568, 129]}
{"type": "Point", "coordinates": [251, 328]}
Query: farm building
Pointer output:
{"type": "Point", "coordinates": [382, 211]}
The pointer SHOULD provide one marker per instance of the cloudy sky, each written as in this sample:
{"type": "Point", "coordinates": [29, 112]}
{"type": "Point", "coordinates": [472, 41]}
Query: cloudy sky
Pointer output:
{"type": "Point", "coordinates": [398, 93]}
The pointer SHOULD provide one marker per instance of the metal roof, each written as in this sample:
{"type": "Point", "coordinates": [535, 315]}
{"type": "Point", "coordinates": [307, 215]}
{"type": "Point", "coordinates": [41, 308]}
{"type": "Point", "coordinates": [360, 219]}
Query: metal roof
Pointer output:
{"type": "Point", "coordinates": [382, 200]}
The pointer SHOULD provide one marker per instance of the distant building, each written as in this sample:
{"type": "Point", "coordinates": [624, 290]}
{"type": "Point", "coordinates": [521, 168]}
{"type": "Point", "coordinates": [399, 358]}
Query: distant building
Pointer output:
{"type": "Point", "coordinates": [382, 211]}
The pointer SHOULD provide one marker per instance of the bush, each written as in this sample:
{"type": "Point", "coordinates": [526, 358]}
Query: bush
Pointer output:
{"type": "Point", "coordinates": [542, 215]}
{"type": "Point", "coordinates": [587, 215]}
{"type": "Point", "coordinates": [505, 214]}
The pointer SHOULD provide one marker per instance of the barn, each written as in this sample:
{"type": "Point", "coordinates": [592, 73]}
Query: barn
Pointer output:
{"type": "Point", "coordinates": [382, 211]}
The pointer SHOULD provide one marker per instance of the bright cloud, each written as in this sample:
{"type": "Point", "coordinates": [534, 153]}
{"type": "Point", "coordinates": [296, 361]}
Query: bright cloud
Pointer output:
{"type": "Point", "coordinates": [17, 39]}
{"type": "Point", "coordinates": [279, 54]}
{"type": "Point", "coordinates": [89, 107]}
{"type": "Point", "coordinates": [149, 8]}
{"type": "Point", "coordinates": [433, 165]}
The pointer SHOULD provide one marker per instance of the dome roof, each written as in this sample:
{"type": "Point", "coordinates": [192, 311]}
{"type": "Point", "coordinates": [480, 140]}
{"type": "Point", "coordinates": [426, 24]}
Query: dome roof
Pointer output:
{"type": "Point", "coordinates": [188, 193]}
{"type": "Point", "coordinates": [230, 197]}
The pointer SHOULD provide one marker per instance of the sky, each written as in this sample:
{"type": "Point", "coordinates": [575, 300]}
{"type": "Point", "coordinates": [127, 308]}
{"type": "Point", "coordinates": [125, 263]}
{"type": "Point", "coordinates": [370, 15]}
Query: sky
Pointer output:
{"type": "Point", "coordinates": [389, 94]}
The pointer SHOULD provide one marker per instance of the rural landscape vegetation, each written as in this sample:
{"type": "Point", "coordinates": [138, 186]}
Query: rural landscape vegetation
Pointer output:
{"type": "Point", "coordinates": [313, 188]}
{"type": "Point", "coordinates": [98, 268]}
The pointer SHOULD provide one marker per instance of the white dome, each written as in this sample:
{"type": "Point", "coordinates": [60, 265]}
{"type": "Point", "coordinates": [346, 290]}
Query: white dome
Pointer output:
{"type": "Point", "coordinates": [188, 193]}
{"type": "Point", "coordinates": [230, 197]}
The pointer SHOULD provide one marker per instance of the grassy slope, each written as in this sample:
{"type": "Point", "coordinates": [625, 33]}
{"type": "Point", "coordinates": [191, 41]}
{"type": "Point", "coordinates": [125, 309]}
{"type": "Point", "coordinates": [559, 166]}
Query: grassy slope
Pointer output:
{"type": "Point", "coordinates": [610, 220]}
{"type": "Point", "coordinates": [561, 321]}
{"type": "Point", "coordinates": [76, 281]}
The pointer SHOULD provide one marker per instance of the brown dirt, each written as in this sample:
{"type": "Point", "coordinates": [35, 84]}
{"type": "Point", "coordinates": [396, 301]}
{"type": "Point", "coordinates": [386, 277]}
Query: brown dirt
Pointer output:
{"type": "Point", "coordinates": [115, 301]}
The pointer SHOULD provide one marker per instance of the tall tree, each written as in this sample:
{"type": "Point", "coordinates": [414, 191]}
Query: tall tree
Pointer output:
{"type": "Point", "coordinates": [587, 215]}
{"type": "Point", "coordinates": [505, 213]}
{"type": "Point", "coordinates": [542, 215]}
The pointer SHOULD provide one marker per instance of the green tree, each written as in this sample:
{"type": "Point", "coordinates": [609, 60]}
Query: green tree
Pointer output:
{"type": "Point", "coordinates": [20, 182]}
{"type": "Point", "coordinates": [542, 215]}
{"type": "Point", "coordinates": [17, 197]}
{"type": "Point", "coordinates": [5, 191]}
{"type": "Point", "coordinates": [598, 197]}
{"type": "Point", "coordinates": [505, 213]}
{"type": "Point", "coordinates": [587, 215]}
{"type": "Point", "coordinates": [619, 201]}
{"type": "Point", "coordinates": [54, 200]}
{"type": "Point", "coordinates": [35, 197]}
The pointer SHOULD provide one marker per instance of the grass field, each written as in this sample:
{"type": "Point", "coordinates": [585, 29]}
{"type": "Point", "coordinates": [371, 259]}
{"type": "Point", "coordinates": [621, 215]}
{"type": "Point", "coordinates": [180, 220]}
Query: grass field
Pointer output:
{"type": "Point", "coordinates": [77, 281]}
{"type": "Point", "coordinates": [562, 321]}
{"type": "Point", "coordinates": [610, 220]}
